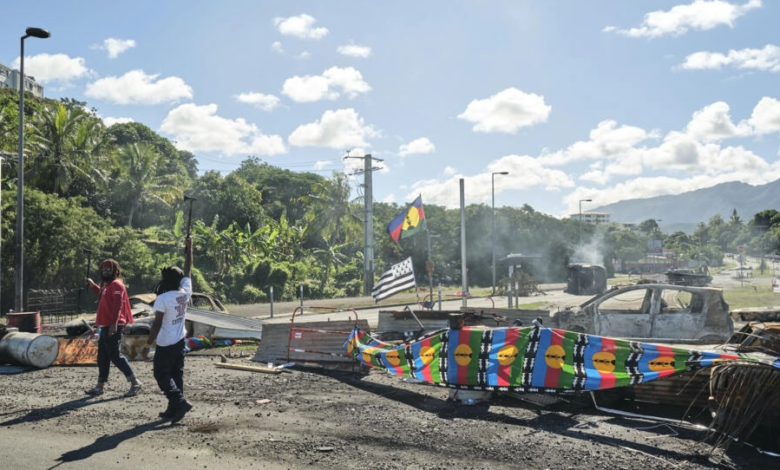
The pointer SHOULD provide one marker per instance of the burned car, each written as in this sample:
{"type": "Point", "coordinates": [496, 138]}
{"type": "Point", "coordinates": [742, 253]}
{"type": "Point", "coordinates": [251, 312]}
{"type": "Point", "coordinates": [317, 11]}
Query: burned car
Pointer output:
{"type": "Point", "coordinates": [652, 310]}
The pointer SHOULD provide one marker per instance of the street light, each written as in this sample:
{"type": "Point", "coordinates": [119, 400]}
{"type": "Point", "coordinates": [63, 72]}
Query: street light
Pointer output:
{"type": "Point", "coordinates": [19, 301]}
{"type": "Point", "coordinates": [581, 201]}
{"type": "Point", "coordinates": [493, 220]}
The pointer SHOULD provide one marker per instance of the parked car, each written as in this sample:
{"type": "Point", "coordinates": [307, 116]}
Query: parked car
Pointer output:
{"type": "Point", "coordinates": [652, 310]}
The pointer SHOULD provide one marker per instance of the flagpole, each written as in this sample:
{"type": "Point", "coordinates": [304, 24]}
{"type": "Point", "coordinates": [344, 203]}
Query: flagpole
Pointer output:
{"type": "Point", "coordinates": [429, 266]}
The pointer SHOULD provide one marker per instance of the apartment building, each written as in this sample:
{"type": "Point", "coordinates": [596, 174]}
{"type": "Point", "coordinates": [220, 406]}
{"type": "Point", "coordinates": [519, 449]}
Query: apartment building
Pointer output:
{"type": "Point", "coordinates": [10, 78]}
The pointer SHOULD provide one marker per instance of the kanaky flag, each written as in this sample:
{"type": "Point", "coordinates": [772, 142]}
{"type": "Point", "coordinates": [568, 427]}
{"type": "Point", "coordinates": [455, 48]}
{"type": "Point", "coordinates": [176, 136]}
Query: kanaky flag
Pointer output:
{"type": "Point", "coordinates": [408, 222]}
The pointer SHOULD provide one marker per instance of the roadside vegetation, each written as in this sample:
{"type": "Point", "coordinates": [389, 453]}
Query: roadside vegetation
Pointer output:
{"type": "Point", "coordinates": [118, 191]}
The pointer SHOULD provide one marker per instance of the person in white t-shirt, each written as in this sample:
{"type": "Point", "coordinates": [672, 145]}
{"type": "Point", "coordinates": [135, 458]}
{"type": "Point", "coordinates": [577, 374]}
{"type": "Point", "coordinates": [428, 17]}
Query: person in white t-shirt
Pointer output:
{"type": "Point", "coordinates": [173, 295]}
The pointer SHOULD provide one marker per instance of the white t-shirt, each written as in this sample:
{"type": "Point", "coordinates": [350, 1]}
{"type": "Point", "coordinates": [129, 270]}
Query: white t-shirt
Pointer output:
{"type": "Point", "coordinates": [174, 305]}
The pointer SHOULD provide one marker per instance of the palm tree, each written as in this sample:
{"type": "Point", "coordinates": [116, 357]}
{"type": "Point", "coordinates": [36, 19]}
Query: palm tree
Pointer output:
{"type": "Point", "coordinates": [63, 141]}
{"type": "Point", "coordinates": [330, 220]}
{"type": "Point", "coordinates": [139, 181]}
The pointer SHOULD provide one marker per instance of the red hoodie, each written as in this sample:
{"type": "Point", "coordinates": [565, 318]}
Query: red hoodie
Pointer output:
{"type": "Point", "coordinates": [114, 306]}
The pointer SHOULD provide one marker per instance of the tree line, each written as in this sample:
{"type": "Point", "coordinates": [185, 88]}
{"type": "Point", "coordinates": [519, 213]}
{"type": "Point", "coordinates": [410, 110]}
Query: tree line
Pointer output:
{"type": "Point", "coordinates": [118, 191]}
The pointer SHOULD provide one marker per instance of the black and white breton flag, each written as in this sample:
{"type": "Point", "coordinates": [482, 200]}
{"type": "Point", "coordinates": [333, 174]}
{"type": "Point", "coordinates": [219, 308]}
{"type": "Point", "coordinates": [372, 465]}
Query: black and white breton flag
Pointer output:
{"type": "Point", "coordinates": [399, 278]}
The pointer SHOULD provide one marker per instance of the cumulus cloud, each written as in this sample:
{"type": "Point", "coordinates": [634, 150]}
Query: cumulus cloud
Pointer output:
{"type": "Point", "coordinates": [277, 47]}
{"type": "Point", "coordinates": [766, 116]}
{"type": "Point", "coordinates": [340, 129]}
{"type": "Point", "coordinates": [353, 50]}
{"type": "Point", "coordinates": [329, 86]}
{"type": "Point", "coordinates": [506, 111]}
{"type": "Point", "coordinates": [417, 146]}
{"type": "Point", "coordinates": [713, 123]}
{"type": "Point", "coordinates": [200, 129]}
{"type": "Point", "coordinates": [114, 46]}
{"type": "Point", "coordinates": [110, 121]}
{"type": "Point", "coordinates": [301, 26]}
{"type": "Point", "coordinates": [136, 87]}
{"type": "Point", "coordinates": [259, 100]}
{"type": "Point", "coordinates": [524, 173]}
{"type": "Point", "coordinates": [766, 59]}
{"type": "Point", "coordinates": [701, 15]}
{"type": "Point", "coordinates": [321, 164]}
{"type": "Point", "coordinates": [54, 68]}
{"type": "Point", "coordinates": [607, 141]}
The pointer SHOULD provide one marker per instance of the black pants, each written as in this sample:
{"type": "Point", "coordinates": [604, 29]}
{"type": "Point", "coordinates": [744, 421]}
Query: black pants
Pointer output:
{"type": "Point", "coordinates": [109, 351]}
{"type": "Point", "coordinates": [169, 372]}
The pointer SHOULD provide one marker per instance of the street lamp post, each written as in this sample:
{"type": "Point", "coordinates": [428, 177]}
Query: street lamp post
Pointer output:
{"type": "Point", "coordinates": [493, 222]}
{"type": "Point", "coordinates": [581, 201]}
{"type": "Point", "coordinates": [19, 268]}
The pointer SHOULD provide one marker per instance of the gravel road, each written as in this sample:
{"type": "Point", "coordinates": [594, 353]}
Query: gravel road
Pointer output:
{"type": "Point", "coordinates": [310, 418]}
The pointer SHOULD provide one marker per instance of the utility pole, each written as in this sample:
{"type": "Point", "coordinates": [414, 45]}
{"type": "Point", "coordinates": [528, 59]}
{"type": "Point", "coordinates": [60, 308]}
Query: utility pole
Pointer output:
{"type": "Point", "coordinates": [368, 220]}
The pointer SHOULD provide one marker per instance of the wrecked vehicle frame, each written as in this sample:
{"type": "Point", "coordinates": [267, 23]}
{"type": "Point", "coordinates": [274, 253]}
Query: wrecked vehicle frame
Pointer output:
{"type": "Point", "coordinates": [652, 310]}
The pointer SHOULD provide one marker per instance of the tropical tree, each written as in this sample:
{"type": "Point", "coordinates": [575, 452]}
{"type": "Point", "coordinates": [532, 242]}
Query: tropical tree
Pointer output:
{"type": "Point", "coordinates": [330, 223]}
{"type": "Point", "coordinates": [65, 143]}
{"type": "Point", "coordinates": [139, 182]}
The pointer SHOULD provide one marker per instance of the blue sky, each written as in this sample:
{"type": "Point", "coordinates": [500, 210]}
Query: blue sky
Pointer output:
{"type": "Point", "coordinates": [604, 100]}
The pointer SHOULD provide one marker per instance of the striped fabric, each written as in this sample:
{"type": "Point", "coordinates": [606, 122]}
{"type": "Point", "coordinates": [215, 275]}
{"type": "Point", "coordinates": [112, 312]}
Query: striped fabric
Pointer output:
{"type": "Point", "coordinates": [399, 278]}
{"type": "Point", "coordinates": [530, 359]}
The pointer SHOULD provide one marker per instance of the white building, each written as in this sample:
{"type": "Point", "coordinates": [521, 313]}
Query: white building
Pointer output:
{"type": "Point", "coordinates": [10, 78]}
{"type": "Point", "coordinates": [594, 218]}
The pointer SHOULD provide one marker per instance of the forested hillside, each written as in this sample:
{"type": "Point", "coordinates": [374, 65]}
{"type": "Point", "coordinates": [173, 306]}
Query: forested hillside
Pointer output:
{"type": "Point", "coordinates": [118, 191]}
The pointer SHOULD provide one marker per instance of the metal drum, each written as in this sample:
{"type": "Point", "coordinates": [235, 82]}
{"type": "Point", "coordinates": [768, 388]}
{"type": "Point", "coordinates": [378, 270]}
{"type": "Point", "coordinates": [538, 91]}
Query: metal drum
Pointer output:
{"type": "Point", "coordinates": [28, 349]}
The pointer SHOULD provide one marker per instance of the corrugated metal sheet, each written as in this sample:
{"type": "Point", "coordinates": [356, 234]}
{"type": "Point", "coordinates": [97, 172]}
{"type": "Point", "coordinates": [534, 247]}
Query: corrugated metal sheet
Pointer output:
{"type": "Point", "coordinates": [309, 345]}
{"type": "Point", "coordinates": [225, 325]}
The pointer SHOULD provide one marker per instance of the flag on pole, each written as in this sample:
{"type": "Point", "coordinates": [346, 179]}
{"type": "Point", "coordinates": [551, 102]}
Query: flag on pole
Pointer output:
{"type": "Point", "coordinates": [408, 222]}
{"type": "Point", "coordinates": [399, 278]}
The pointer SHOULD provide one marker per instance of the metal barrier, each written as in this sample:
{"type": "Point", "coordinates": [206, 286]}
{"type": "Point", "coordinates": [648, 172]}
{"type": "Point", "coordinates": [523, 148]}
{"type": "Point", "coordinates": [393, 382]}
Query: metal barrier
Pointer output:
{"type": "Point", "coordinates": [293, 330]}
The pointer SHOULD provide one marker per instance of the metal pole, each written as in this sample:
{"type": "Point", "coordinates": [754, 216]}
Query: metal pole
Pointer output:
{"type": "Point", "coordinates": [19, 258]}
{"type": "Point", "coordinates": [493, 224]}
{"type": "Point", "coordinates": [272, 301]}
{"type": "Point", "coordinates": [301, 299]}
{"type": "Point", "coordinates": [368, 242]}
{"type": "Point", "coordinates": [430, 273]}
{"type": "Point", "coordinates": [440, 296]}
{"type": "Point", "coordinates": [463, 268]}
{"type": "Point", "coordinates": [493, 230]}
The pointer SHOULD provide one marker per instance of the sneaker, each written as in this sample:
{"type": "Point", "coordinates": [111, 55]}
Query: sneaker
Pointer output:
{"type": "Point", "coordinates": [182, 410]}
{"type": "Point", "coordinates": [134, 389]}
{"type": "Point", "coordinates": [94, 391]}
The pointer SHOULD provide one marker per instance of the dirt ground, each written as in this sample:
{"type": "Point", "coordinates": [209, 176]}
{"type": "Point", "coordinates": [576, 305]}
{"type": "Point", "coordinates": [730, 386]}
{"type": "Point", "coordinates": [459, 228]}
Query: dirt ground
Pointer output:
{"type": "Point", "coordinates": [311, 418]}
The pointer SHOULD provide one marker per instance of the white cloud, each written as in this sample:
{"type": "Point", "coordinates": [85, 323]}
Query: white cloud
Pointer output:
{"type": "Point", "coordinates": [766, 59]}
{"type": "Point", "coordinates": [713, 123]}
{"type": "Point", "coordinates": [353, 50]}
{"type": "Point", "coordinates": [110, 121]}
{"type": "Point", "coordinates": [449, 171]}
{"type": "Point", "coordinates": [506, 111]}
{"type": "Point", "coordinates": [304, 55]}
{"type": "Point", "coordinates": [701, 15]}
{"type": "Point", "coordinates": [330, 85]}
{"type": "Point", "coordinates": [607, 141]}
{"type": "Point", "coordinates": [766, 116]}
{"type": "Point", "coordinates": [277, 47]}
{"type": "Point", "coordinates": [320, 164]}
{"type": "Point", "coordinates": [259, 100]}
{"type": "Point", "coordinates": [524, 173]}
{"type": "Point", "coordinates": [200, 129]}
{"type": "Point", "coordinates": [417, 146]}
{"type": "Point", "coordinates": [340, 129]}
{"type": "Point", "coordinates": [301, 26]}
{"type": "Point", "coordinates": [51, 68]}
{"type": "Point", "coordinates": [115, 46]}
{"type": "Point", "coordinates": [136, 87]}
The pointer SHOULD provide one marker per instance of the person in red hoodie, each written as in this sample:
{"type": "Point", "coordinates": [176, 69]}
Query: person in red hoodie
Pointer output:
{"type": "Point", "coordinates": [112, 316]}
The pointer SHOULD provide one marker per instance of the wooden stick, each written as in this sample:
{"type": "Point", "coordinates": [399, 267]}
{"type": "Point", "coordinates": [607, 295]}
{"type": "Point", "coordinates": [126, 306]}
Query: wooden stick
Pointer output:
{"type": "Point", "coordinates": [248, 368]}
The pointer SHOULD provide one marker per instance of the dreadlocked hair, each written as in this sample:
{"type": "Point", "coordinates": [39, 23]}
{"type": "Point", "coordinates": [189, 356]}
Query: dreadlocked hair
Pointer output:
{"type": "Point", "coordinates": [171, 280]}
